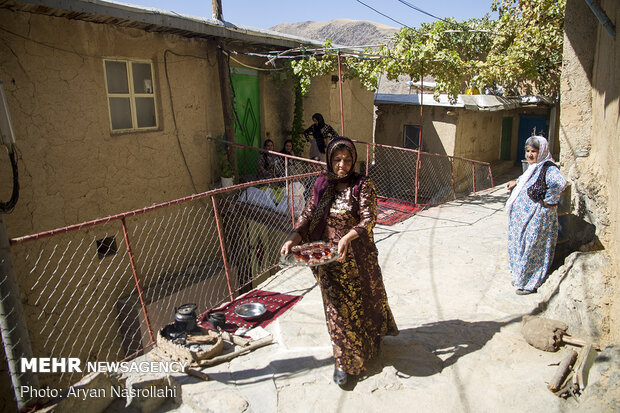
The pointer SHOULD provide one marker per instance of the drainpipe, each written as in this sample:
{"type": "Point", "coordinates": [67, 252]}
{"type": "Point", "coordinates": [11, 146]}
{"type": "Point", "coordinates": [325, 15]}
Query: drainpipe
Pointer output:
{"type": "Point", "coordinates": [602, 17]}
{"type": "Point", "coordinates": [12, 322]}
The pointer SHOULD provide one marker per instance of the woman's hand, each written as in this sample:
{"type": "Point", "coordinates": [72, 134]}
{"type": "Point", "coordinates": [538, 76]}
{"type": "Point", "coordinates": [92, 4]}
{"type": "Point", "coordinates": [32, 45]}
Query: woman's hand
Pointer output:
{"type": "Point", "coordinates": [343, 244]}
{"type": "Point", "coordinates": [292, 240]}
{"type": "Point", "coordinates": [511, 184]}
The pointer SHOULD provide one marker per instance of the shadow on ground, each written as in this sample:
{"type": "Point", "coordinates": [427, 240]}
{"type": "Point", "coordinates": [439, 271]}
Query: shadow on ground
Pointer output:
{"type": "Point", "coordinates": [276, 368]}
{"type": "Point", "coordinates": [428, 349]}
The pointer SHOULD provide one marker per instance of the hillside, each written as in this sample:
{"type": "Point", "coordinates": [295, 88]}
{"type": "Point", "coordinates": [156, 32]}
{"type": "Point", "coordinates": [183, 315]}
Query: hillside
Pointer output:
{"type": "Point", "coordinates": [348, 32]}
{"type": "Point", "coordinates": [341, 31]}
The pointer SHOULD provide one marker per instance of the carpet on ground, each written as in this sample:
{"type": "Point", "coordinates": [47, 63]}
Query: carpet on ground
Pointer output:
{"type": "Point", "coordinates": [276, 304]}
{"type": "Point", "coordinates": [391, 211]}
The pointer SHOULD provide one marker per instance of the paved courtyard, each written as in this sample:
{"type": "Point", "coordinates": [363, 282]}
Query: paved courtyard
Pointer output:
{"type": "Point", "coordinates": [460, 347]}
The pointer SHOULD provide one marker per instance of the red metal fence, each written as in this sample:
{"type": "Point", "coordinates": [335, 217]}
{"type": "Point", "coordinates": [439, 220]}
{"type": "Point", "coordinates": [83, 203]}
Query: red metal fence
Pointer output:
{"type": "Point", "coordinates": [101, 290]}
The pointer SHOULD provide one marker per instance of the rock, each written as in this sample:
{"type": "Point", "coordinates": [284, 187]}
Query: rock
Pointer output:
{"type": "Point", "coordinates": [543, 333]}
{"type": "Point", "coordinates": [90, 394]}
{"type": "Point", "coordinates": [602, 393]}
{"type": "Point", "coordinates": [575, 294]}
{"type": "Point", "coordinates": [148, 395]}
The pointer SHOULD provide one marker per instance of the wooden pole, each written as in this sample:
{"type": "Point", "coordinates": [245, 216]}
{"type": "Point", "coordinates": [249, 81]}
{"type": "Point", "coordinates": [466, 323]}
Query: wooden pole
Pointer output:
{"type": "Point", "coordinates": [217, 9]}
{"type": "Point", "coordinates": [562, 371]}
{"type": "Point", "coordinates": [15, 335]}
{"type": "Point", "coordinates": [341, 103]}
{"type": "Point", "coordinates": [227, 104]}
{"type": "Point", "coordinates": [417, 164]}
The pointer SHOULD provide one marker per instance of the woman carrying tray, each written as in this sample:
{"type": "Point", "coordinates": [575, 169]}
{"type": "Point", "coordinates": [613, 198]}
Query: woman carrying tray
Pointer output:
{"type": "Point", "coordinates": [342, 210]}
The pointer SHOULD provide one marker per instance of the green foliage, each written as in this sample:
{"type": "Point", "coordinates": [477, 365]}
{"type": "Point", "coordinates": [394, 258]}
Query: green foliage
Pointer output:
{"type": "Point", "coordinates": [298, 119]}
{"type": "Point", "coordinates": [520, 52]}
{"type": "Point", "coordinates": [527, 53]}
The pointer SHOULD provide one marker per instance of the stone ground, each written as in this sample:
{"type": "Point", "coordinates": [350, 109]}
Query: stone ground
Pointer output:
{"type": "Point", "coordinates": [460, 347]}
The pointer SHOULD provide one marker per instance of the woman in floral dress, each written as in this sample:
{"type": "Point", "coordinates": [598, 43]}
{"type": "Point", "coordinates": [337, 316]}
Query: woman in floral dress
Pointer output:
{"type": "Point", "coordinates": [342, 210]}
{"type": "Point", "coordinates": [533, 217]}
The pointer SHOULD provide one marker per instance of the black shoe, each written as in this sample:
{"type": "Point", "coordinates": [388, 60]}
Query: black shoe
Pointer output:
{"type": "Point", "coordinates": [522, 291]}
{"type": "Point", "coordinates": [340, 377]}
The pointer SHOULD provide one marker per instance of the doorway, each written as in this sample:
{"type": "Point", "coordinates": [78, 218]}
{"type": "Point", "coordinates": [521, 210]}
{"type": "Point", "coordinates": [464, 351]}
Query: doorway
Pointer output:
{"type": "Point", "coordinates": [246, 106]}
{"type": "Point", "coordinates": [528, 126]}
{"type": "Point", "coordinates": [506, 144]}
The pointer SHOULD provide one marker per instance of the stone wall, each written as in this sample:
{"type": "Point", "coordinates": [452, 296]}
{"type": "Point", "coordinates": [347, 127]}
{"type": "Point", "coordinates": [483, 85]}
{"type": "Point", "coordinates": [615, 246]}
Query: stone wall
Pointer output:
{"type": "Point", "coordinates": [589, 130]}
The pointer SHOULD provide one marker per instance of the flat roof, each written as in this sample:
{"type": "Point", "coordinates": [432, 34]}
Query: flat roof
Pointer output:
{"type": "Point", "coordinates": [155, 20]}
{"type": "Point", "coordinates": [469, 102]}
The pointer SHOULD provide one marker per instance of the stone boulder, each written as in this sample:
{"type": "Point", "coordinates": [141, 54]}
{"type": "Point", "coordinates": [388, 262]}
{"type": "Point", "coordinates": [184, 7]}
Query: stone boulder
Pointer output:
{"type": "Point", "coordinates": [577, 293]}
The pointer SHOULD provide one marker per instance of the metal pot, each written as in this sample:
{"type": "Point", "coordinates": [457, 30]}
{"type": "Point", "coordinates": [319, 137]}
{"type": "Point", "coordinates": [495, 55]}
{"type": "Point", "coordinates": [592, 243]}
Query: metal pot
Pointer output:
{"type": "Point", "coordinates": [217, 319]}
{"type": "Point", "coordinates": [185, 317]}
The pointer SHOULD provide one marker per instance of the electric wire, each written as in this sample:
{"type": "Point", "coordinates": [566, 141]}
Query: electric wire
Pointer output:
{"type": "Point", "coordinates": [174, 118]}
{"type": "Point", "coordinates": [383, 14]}
{"type": "Point", "coordinates": [452, 23]}
{"type": "Point", "coordinates": [7, 207]}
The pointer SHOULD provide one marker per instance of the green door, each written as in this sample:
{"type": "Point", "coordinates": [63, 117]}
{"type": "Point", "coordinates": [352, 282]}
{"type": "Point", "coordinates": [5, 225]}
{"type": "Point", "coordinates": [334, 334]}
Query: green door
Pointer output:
{"type": "Point", "coordinates": [506, 139]}
{"type": "Point", "coordinates": [245, 93]}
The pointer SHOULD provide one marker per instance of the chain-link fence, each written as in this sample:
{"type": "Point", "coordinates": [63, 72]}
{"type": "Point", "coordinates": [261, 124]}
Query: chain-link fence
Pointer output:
{"type": "Point", "coordinates": [423, 178]}
{"type": "Point", "coordinates": [101, 290]}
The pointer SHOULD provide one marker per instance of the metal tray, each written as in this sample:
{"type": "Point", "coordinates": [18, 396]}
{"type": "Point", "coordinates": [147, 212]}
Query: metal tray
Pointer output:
{"type": "Point", "coordinates": [289, 259]}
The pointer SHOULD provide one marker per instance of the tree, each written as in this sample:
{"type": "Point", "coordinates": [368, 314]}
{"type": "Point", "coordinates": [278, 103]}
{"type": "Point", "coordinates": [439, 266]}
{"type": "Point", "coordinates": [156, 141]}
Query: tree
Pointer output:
{"type": "Point", "coordinates": [526, 55]}
{"type": "Point", "coordinates": [519, 53]}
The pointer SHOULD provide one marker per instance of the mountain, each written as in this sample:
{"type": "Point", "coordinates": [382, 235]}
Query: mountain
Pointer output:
{"type": "Point", "coordinates": [343, 32]}
{"type": "Point", "coordinates": [346, 32]}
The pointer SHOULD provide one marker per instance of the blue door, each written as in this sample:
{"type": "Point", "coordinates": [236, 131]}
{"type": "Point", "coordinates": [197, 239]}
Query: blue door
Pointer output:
{"type": "Point", "coordinates": [530, 125]}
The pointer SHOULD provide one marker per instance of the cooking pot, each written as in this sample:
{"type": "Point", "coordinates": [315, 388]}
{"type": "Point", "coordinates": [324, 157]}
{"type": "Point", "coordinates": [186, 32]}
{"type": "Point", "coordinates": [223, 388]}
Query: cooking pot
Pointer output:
{"type": "Point", "coordinates": [217, 319]}
{"type": "Point", "coordinates": [185, 317]}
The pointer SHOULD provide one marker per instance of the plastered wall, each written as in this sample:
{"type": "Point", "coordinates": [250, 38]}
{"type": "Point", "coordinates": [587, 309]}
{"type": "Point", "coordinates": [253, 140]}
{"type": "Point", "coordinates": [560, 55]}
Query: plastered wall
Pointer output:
{"type": "Point", "coordinates": [589, 131]}
{"type": "Point", "coordinates": [72, 167]}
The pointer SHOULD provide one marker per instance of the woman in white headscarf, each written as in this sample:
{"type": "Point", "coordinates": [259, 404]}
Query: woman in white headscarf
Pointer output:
{"type": "Point", "coordinates": [533, 217]}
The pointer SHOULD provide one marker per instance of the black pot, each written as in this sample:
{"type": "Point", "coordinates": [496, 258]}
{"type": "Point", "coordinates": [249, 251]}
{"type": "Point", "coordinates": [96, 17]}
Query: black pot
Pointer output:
{"type": "Point", "coordinates": [185, 317]}
{"type": "Point", "coordinates": [217, 319]}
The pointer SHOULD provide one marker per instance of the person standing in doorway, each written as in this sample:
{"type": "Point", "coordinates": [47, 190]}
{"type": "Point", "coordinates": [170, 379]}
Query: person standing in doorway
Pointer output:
{"type": "Point", "coordinates": [321, 133]}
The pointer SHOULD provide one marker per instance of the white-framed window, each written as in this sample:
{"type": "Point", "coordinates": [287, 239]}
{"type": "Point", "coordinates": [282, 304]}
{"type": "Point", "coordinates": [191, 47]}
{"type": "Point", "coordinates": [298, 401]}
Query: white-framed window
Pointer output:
{"type": "Point", "coordinates": [131, 94]}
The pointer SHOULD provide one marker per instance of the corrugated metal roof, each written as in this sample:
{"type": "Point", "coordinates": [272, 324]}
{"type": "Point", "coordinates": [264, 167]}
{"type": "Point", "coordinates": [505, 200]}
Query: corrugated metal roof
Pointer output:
{"type": "Point", "coordinates": [414, 99]}
{"type": "Point", "coordinates": [469, 102]}
{"type": "Point", "coordinates": [155, 20]}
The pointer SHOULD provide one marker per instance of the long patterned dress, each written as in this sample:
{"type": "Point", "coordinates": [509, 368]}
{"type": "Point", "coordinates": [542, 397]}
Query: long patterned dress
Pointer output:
{"type": "Point", "coordinates": [533, 232]}
{"type": "Point", "coordinates": [354, 297]}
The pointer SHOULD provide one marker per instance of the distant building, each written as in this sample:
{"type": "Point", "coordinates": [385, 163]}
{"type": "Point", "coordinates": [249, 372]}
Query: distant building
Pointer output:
{"type": "Point", "coordinates": [480, 127]}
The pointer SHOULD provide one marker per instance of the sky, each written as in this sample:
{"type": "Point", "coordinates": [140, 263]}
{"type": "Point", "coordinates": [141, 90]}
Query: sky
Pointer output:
{"type": "Point", "coordinates": [263, 14]}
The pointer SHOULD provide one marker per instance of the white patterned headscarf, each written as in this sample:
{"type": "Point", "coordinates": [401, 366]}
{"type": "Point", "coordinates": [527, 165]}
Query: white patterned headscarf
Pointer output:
{"type": "Point", "coordinates": [543, 156]}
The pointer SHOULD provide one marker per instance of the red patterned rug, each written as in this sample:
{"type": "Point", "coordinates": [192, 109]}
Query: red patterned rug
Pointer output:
{"type": "Point", "coordinates": [276, 304]}
{"type": "Point", "coordinates": [391, 211]}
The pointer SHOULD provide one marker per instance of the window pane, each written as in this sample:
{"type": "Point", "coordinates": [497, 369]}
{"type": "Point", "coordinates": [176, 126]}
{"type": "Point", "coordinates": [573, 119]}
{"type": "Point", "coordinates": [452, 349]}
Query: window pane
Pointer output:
{"type": "Point", "coordinates": [411, 136]}
{"type": "Point", "coordinates": [116, 73]}
{"type": "Point", "coordinates": [120, 111]}
{"type": "Point", "coordinates": [142, 79]}
{"type": "Point", "coordinates": [145, 110]}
